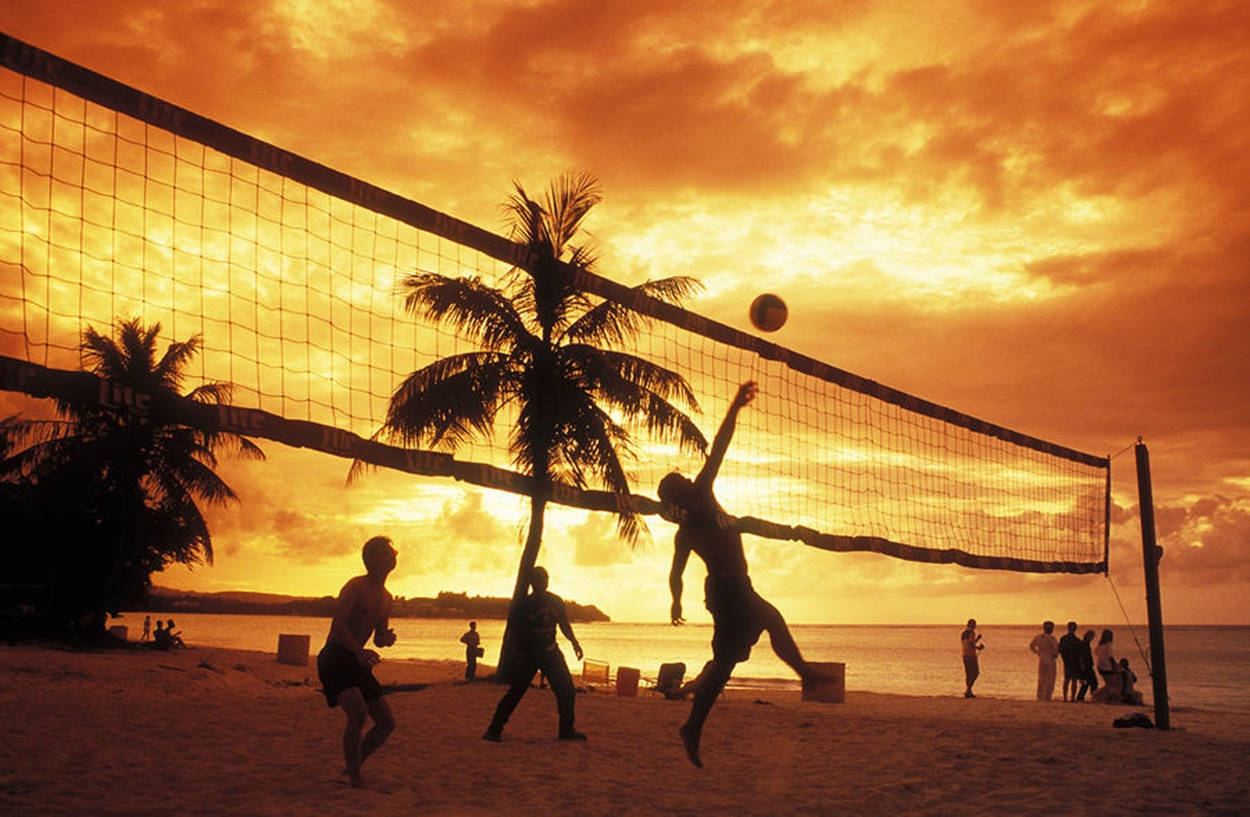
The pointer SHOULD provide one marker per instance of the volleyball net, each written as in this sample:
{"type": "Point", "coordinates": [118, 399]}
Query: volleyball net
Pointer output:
{"type": "Point", "coordinates": [115, 205]}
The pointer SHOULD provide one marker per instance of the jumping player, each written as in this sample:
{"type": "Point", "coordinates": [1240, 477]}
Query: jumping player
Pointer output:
{"type": "Point", "coordinates": [738, 612]}
{"type": "Point", "coordinates": [346, 667]}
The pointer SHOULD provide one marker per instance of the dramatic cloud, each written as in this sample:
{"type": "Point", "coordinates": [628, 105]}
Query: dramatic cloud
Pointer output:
{"type": "Point", "coordinates": [1038, 214]}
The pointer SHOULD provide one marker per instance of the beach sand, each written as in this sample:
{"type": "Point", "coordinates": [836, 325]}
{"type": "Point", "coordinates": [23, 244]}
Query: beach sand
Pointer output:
{"type": "Point", "coordinates": [220, 732]}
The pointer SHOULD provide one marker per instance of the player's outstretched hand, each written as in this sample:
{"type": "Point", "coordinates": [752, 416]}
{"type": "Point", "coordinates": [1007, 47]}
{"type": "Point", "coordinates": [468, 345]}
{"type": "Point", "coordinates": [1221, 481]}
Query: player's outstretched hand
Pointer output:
{"type": "Point", "coordinates": [746, 393]}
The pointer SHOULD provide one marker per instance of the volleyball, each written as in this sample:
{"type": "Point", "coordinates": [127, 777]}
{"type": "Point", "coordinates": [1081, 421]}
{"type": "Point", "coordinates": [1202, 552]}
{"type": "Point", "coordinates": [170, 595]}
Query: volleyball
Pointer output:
{"type": "Point", "coordinates": [768, 312]}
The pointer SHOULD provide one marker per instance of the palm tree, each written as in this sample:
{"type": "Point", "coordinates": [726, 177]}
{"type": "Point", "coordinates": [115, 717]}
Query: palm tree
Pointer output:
{"type": "Point", "coordinates": [132, 481]}
{"type": "Point", "coordinates": [551, 355]}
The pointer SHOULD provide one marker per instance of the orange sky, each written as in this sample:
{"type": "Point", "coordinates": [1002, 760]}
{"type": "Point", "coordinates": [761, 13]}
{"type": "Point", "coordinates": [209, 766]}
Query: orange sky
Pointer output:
{"type": "Point", "coordinates": [1034, 213]}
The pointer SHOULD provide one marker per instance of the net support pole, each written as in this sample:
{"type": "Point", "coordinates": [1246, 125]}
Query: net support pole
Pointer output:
{"type": "Point", "coordinates": [1151, 553]}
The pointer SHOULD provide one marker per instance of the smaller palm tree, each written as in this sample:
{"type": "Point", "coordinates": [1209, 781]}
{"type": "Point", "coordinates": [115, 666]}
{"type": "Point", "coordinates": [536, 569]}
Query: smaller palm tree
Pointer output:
{"type": "Point", "coordinates": [133, 480]}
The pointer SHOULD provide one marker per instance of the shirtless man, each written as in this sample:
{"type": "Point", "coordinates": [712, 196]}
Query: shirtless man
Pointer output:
{"type": "Point", "coordinates": [738, 612]}
{"type": "Point", "coordinates": [346, 667]}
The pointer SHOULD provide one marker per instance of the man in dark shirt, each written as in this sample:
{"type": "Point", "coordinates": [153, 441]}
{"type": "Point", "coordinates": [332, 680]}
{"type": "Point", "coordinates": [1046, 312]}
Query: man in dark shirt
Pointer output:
{"type": "Point", "coordinates": [542, 612]}
{"type": "Point", "coordinates": [739, 614]}
{"type": "Point", "coordinates": [1070, 650]}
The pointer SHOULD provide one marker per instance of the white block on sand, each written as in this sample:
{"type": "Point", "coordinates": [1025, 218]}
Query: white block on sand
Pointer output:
{"type": "Point", "coordinates": [293, 649]}
{"type": "Point", "coordinates": [627, 682]}
{"type": "Point", "coordinates": [832, 688]}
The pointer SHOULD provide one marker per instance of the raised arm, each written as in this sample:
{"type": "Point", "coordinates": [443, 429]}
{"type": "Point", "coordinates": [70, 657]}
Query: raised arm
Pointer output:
{"type": "Point", "coordinates": [720, 444]}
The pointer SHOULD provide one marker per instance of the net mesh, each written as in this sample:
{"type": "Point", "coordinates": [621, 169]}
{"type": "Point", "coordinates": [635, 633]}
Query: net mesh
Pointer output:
{"type": "Point", "coordinates": [116, 205]}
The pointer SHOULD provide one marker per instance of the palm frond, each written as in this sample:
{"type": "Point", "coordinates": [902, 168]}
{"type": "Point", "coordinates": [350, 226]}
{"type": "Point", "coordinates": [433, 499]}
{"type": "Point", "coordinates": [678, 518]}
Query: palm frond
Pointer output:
{"type": "Point", "coordinates": [213, 394]}
{"type": "Point", "coordinates": [569, 199]}
{"type": "Point", "coordinates": [451, 399]}
{"type": "Point", "coordinates": [591, 442]}
{"type": "Point", "coordinates": [192, 479]}
{"type": "Point", "coordinates": [21, 431]}
{"type": "Point", "coordinates": [640, 391]}
{"type": "Point", "coordinates": [103, 356]}
{"type": "Point", "coordinates": [524, 217]}
{"type": "Point", "coordinates": [168, 372]}
{"type": "Point", "coordinates": [610, 322]}
{"type": "Point", "coordinates": [480, 312]}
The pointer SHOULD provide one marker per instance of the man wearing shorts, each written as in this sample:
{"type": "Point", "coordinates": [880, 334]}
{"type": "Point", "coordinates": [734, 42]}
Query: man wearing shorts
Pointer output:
{"type": "Point", "coordinates": [1071, 650]}
{"type": "Point", "coordinates": [739, 614]}
{"type": "Point", "coordinates": [346, 667]}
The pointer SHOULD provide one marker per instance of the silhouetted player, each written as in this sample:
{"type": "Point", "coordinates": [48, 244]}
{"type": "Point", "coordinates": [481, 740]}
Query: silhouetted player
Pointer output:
{"type": "Point", "coordinates": [542, 612]}
{"type": "Point", "coordinates": [346, 667]}
{"type": "Point", "coordinates": [738, 612]}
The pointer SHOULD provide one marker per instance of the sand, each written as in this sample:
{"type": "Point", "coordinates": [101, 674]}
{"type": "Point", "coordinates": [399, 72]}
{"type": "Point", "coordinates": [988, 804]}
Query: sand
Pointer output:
{"type": "Point", "coordinates": [221, 732]}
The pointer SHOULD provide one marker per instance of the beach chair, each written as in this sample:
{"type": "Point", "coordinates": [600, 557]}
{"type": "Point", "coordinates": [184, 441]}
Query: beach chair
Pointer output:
{"type": "Point", "coordinates": [668, 681]}
{"type": "Point", "coordinates": [595, 672]}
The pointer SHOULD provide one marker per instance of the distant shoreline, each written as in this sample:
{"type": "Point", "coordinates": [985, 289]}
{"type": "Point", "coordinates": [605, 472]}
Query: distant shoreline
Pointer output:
{"type": "Point", "coordinates": [445, 605]}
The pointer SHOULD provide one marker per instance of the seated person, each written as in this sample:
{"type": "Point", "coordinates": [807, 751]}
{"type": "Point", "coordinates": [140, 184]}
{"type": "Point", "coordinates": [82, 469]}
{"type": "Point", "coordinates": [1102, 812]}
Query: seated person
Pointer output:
{"type": "Point", "coordinates": [160, 637]}
{"type": "Point", "coordinates": [175, 639]}
{"type": "Point", "coordinates": [1128, 693]}
{"type": "Point", "coordinates": [1112, 689]}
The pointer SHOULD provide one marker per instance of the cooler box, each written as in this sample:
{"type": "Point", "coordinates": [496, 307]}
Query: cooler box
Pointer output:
{"type": "Point", "coordinates": [627, 682]}
{"type": "Point", "coordinates": [831, 689]}
{"type": "Point", "coordinates": [293, 649]}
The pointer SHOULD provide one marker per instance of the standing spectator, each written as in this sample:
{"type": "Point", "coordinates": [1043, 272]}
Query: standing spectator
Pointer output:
{"type": "Point", "coordinates": [147, 628]}
{"type": "Point", "coordinates": [970, 645]}
{"type": "Point", "coordinates": [471, 640]}
{"type": "Point", "coordinates": [1070, 650]}
{"type": "Point", "coordinates": [1089, 678]}
{"type": "Point", "coordinates": [1046, 648]}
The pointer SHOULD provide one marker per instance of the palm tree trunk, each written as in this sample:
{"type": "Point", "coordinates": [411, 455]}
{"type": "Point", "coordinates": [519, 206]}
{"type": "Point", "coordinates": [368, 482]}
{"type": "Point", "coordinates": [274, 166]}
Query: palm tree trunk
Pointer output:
{"type": "Point", "coordinates": [510, 649]}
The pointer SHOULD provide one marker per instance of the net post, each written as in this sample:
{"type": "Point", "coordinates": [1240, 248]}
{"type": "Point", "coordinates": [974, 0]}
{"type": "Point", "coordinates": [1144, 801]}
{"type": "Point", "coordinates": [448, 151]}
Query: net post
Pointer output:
{"type": "Point", "coordinates": [1151, 554]}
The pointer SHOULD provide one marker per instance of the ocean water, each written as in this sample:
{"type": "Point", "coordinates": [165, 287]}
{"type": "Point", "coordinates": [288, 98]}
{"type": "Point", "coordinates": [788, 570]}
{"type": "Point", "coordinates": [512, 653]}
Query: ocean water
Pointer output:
{"type": "Point", "coordinates": [1207, 667]}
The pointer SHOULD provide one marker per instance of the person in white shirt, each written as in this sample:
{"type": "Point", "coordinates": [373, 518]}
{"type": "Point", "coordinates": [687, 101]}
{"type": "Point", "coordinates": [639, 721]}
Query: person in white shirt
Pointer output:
{"type": "Point", "coordinates": [1046, 648]}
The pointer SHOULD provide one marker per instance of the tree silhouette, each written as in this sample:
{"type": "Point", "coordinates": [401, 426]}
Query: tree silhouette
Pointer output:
{"type": "Point", "coordinates": [554, 357]}
{"type": "Point", "coordinates": [116, 492]}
